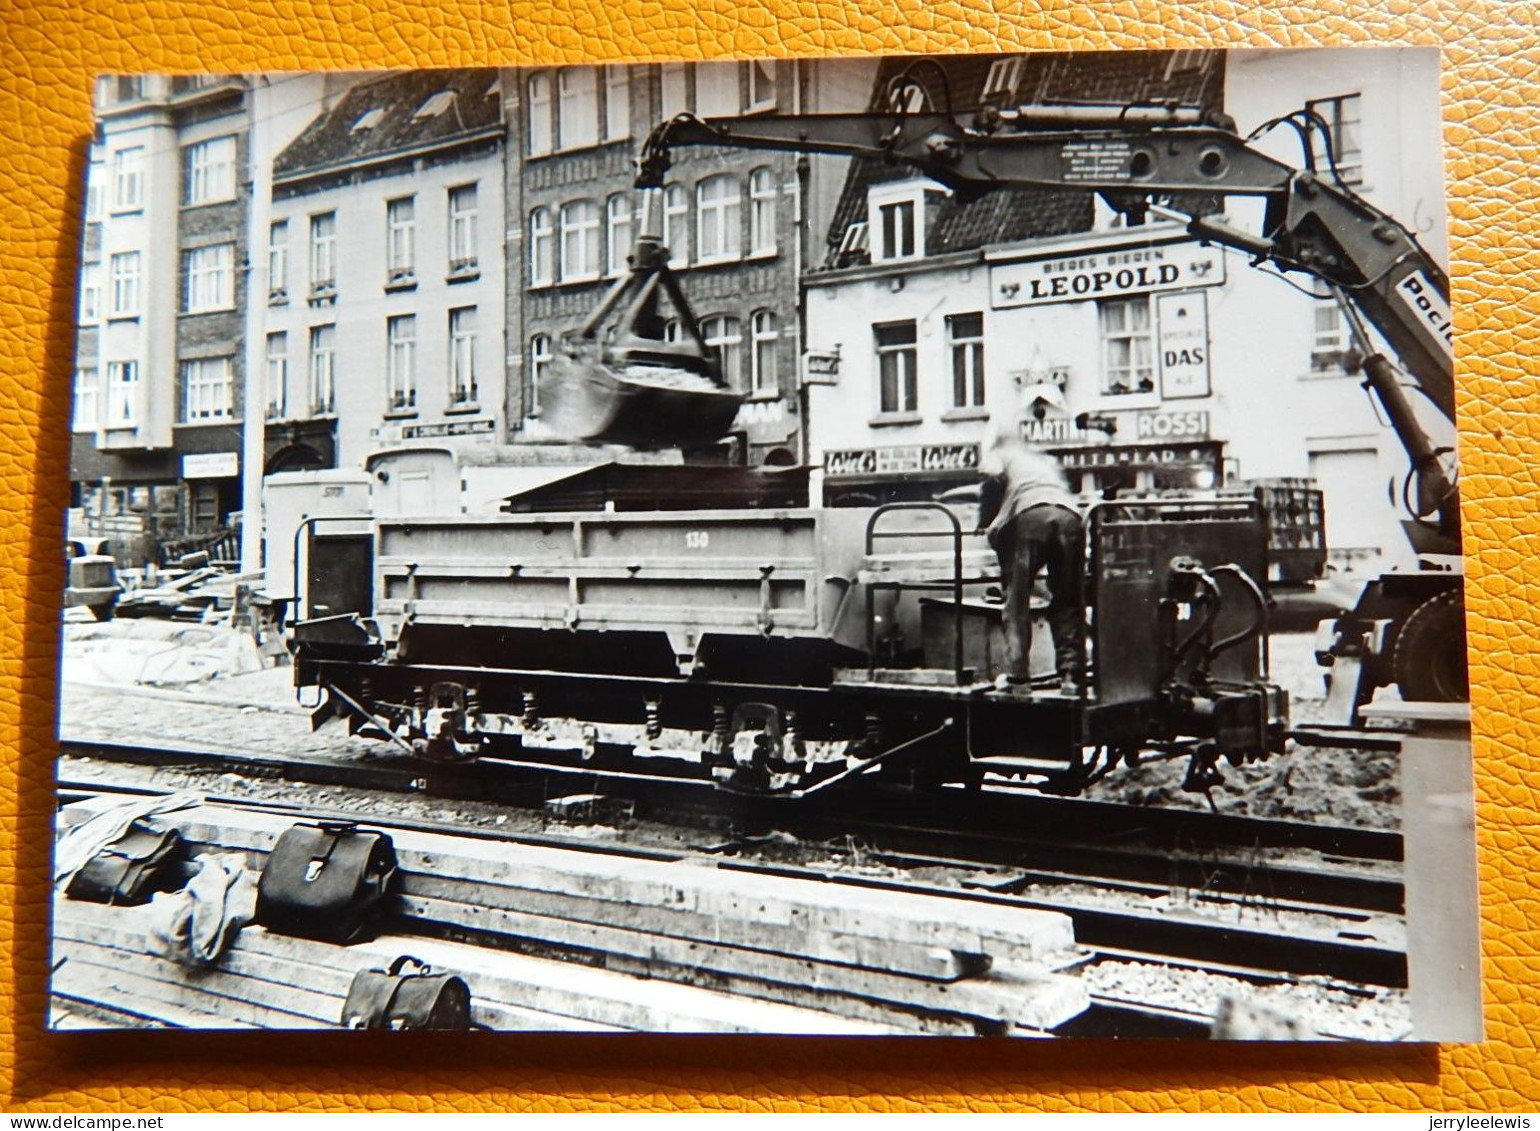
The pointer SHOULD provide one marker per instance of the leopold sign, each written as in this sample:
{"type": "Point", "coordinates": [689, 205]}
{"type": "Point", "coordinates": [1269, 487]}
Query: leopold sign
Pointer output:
{"type": "Point", "coordinates": [1106, 273]}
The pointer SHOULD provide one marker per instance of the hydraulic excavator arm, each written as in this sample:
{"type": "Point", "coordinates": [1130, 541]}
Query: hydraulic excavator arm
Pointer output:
{"type": "Point", "coordinates": [1162, 158]}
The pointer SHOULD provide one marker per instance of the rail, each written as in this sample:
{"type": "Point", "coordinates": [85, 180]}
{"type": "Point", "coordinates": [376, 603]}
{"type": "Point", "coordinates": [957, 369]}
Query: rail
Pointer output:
{"type": "Point", "coordinates": [873, 534]}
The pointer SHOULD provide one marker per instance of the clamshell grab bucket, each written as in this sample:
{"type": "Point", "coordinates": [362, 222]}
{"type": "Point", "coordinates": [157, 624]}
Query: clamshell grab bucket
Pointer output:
{"type": "Point", "coordinates": [641, 406]}
{"type": "Point", "coordinates": [620, 381]}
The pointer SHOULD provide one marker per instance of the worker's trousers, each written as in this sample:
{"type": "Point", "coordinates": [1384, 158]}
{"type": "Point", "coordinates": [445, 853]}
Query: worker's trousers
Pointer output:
{"type": "Point", "coordinates": [1044, 539]}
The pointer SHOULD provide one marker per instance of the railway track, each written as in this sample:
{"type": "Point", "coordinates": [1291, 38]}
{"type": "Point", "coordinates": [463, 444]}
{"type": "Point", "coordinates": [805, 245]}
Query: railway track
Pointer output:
{"type": "Point", "coordinates": [1149, 889]}
{"type": "Point", "coordinates": [1032, 836]}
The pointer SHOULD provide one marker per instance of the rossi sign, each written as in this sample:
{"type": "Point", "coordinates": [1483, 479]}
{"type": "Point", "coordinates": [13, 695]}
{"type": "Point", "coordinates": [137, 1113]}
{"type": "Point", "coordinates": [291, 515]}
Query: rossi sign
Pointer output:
{"type": "Point", "coordinates": [1106, 273]}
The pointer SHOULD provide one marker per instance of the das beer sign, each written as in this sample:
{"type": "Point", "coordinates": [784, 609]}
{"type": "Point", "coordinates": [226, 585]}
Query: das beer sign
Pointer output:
{"type": "Point", "coordinates": [1182, 343]}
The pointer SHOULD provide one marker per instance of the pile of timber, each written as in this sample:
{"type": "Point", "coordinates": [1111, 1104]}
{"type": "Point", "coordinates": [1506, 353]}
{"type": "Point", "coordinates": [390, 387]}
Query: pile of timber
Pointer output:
{"type": "Point", "coordinates": [553, 938]}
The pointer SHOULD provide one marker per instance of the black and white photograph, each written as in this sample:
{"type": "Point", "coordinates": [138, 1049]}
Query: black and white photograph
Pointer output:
{"type": "Point", "coordinates": [959, 545]}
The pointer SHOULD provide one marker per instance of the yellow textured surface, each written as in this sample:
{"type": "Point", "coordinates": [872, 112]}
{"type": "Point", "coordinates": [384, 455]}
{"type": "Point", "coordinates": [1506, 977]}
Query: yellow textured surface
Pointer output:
{"type": "Point", "coordinates": [1491, 90]}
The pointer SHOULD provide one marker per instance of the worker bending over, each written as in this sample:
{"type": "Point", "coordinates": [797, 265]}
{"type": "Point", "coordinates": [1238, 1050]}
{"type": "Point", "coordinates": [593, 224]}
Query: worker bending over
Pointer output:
{"type": "Point", "coordinates": [1034, 525]}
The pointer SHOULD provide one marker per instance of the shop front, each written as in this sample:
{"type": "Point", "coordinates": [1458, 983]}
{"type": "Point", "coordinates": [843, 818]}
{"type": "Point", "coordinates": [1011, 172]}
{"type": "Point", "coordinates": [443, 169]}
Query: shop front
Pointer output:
{"type": "Point", "coordinates": [1125, 452]}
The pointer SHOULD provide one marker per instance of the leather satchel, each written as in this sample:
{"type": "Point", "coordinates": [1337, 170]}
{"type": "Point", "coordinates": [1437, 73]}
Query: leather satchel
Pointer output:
{"type": "Point", "coordinates": [131, 869]}
{"type": "Point", "coordinates": [325, 881]}
{"type": "Point", "coordinates": [398, 999]}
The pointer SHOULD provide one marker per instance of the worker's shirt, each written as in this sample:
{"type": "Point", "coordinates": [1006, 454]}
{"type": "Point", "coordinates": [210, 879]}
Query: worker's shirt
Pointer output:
{"type": "Point", "coordinates": [1023, 479]}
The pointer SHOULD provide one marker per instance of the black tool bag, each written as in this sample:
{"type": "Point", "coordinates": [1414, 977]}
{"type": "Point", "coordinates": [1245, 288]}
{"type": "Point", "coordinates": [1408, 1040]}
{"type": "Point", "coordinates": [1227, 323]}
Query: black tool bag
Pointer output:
{"type": "Point", "coordinates": [131, 869]}
{"type": "Point", "coordinates": [325, 881]}
{"type": "Point", "coordinates": [393, 999]}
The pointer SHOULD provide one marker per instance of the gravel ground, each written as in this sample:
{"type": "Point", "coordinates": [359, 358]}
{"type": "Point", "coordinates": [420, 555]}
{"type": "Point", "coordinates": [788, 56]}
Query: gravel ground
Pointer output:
{"type": "Point", "coordinates": [195, 684]}
{"type": "Point", "coordinates": [1345, 787]}
{"type": "Point", "coordinates": [1328, 1009]}
{"type": "Point", "coordinates": [212, 692]}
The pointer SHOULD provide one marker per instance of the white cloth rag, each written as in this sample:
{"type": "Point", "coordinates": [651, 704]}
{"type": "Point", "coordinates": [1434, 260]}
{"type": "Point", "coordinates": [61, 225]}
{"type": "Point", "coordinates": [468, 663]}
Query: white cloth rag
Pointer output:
{"type": "Point", "coordinates": [83, 843]}
{"type": "Point", "coordinates": [194, 926]}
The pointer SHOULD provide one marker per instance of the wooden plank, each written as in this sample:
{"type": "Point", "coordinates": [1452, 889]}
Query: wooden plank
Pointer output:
{"type": "Point", "coordinates": [312, 980]}
{"type": "Point", "coordinates": [175, 1004]}
{"type": "Point", "coordinates": [594, 994]}
{"type": "Point", "coordinates": [285, 987]}
{"type": "Point", "coordinates": [766, 940]}
{"type": "Point", "coordinates": [831, 917]}
{"type": "Point", "coordinates": [1027, 998]}
{"type": "Point", "coordinates": [227, 993]}
{"type": "Point", "coordinates": [531, 986]}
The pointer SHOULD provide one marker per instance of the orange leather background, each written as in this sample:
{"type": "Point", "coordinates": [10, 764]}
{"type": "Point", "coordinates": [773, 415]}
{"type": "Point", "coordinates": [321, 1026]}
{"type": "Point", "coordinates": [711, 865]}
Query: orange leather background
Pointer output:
{"type": "Point", "coordinates": [1491, 87]}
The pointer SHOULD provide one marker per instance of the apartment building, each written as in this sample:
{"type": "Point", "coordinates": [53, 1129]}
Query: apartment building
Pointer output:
{"type": "Point", "coordinates": [159, 369]}
{"type": "Point", "coordinates": [381, 272]}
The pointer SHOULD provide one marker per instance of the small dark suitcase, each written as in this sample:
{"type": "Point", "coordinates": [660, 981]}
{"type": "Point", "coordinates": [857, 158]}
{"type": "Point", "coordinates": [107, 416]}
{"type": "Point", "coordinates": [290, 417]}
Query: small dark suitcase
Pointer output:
{"type": "Point", "coordinates": [131, 869]}
{"type": "Point", "coordinates": [393, 999]}
{"type": "Point", "coordinates": [325, 881]}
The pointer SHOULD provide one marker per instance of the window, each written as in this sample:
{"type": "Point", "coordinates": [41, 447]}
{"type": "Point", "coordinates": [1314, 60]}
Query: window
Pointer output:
{"type": "Point", "coordinates": [764, 370]}
{"type": "Point", "coordinates": [208, 278]}
{"type": "Point", "coordinates": [539, 366]}
{"type": "Point", "coordinates": [122, 394]}
{"type": "Point", "coordinates": [1330, 340]}
{"type": "Point", "coordinates": [542, 248]}
{"type": "Point", "coordinates": [462, 356]}
{"type": "Point", "coordinates": [206, 390]}
{"type": "Point", "coordinates": [94, 194]}
{"type": "Point", "coordinates": [462, 229]}
{"type": "Point", "coordinates": [1343, 116]}
{"type": "Point", "coordinates": [717, 226]}
{"type": "Point", "coordinates": [367, 121]}
{"type": "Point", "coordinates": [277, 376]}
{"type": "Point", "coordinates": [323, 370]}
{"type": "Point", "coordinates": [762, 212]}
{"type": "Point", "coordinates": [617, 231]}
{"type": "Point", "coordinates": [540, 132]}
{"type": "Point", "coordinates": [125, 283]}
{"type": "Point", "coordinates": [209, 171]}
{"type": "Point", "coordinates": [676, 235]}
{"type": "Point", "coordinates": [965, 335]}
{"type": "Point", "coordinates": [436, 104]}
{"type": "Point", "coordinates": [617, 102]}
{"type": "Point", "coordinates": [90, 293]}
{"type": "Point", "coordinates": [897, 368]}
{"type": "Point", "coordinates": [401, 362]}
{"type": "Point", "coordinates": [1003, 79]}
{"type": "Point", "coordinates": [761, 75]}
{"type": "Point", "coordinates": [577, 109]}
{"type": "Point", "coordinates": [716, 90]}
{"type": "Point", "coordinates": [675, 98]}
{"type": "Point", "coordinates": [323, 252]}
{"type": "Point", "coordinates": [908, 97]}
{"type": "Point", "coordinates": [1128, 351]}
{"type": "Point", "coordinates": [278, 261]}
{"type": "Point", "coordinates": [130, 88]}
{"type": "Point", "coordinates": [128, 179]}
{"type": "Point", "coordinates": [896, 230]}
{"type": "Point", "coordinates": [579, 241]}
{"type": "Point", "coordinates": [401, 239]}
{"type": "Point", "coordinates": [724, 334]}
{"type": "Point", "coordinates": [88, 399]}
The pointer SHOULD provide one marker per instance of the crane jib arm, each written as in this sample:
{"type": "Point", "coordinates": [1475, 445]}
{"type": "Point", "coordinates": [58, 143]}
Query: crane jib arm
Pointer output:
{"type": "Point", "coordinates": [1134, 157]}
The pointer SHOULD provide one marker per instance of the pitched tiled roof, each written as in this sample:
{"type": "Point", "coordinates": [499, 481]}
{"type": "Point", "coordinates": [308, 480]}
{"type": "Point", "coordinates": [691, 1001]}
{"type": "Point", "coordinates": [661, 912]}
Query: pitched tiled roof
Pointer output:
{"type": "Point", "coordinates": [384, 111]}
{"type": "Point", "coordinates": [1017, 214]}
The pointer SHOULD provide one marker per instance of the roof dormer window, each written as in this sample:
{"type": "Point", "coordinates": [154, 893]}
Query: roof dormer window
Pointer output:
{"type": "Point", "coordinates": [435, 105]}
{"type": "Point", "coordinates": [896, 217]}
{"type": "Point", "coordinates": [367, 121]}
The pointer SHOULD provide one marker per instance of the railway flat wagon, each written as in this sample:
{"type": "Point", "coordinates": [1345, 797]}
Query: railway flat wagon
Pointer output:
{"type": "Point", "coordinates": [784, 649]}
